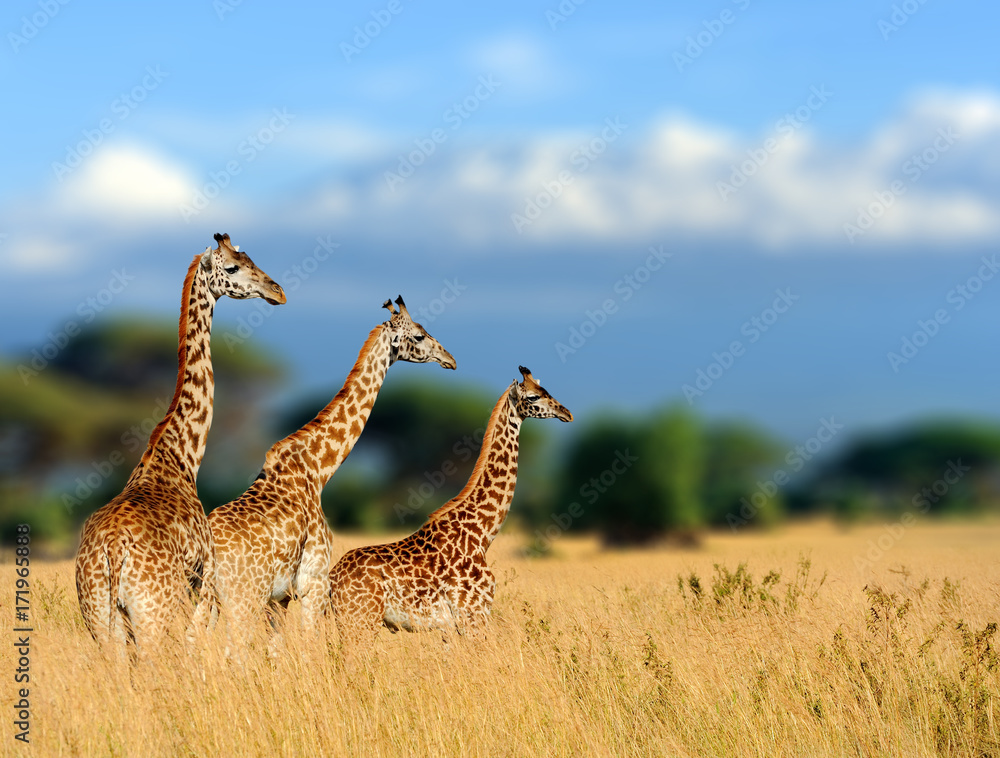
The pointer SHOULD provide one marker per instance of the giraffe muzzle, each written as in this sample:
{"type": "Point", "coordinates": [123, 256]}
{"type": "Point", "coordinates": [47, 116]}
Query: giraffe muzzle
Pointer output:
{"type": "Point", "coordinates": [279, 297]}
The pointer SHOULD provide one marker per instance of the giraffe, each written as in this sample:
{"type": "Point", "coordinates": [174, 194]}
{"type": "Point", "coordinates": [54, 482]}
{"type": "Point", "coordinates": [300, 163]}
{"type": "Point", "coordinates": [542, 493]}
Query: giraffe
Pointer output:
{"type": "Point", "coordinates": [142, 553]}
{"type": "Point", "coordinates": [438, 578]}
{"type": "Point", "coordinates": [272, 544]}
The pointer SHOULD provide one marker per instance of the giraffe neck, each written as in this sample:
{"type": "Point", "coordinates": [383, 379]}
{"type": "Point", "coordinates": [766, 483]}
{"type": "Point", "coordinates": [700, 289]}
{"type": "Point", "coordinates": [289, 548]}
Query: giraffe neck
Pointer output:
{"type": "Point", "coordinates": [479, 510]}
{"type": "Point", "coordinates": [318, 448]}
{"type": "Point", "coordinates": [177, 444]}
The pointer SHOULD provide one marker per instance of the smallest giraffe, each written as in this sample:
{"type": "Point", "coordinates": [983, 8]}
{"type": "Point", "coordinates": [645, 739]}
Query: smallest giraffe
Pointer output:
{"type": "Point", "coordinates": [438, 578]}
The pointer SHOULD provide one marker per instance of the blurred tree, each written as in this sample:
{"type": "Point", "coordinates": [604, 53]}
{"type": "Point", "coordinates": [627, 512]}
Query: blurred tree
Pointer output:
{"type": "Point", "coordinates": [738, 457]}
{"type": "Point", "coordinates": [52, 418]}
{"type": "Point", "coordinates": [139, 356]}
{"type": "Point", "coordinates": [936, 467]}
{"type": "Point", "coordinates": [591, 486]}
{"type": "Point", "coordinates": [636, 481]}
{"type": "Point", "coordinates": [674, 448]}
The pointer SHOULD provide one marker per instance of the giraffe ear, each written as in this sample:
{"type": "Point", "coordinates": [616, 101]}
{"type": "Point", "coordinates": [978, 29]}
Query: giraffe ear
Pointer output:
{"type": "Point", "coordinates": [206, 259]}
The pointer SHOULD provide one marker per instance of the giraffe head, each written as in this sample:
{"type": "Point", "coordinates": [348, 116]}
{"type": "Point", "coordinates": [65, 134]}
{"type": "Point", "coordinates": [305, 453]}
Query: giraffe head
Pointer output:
{"type": "Point", "coordinates": [233, 274]}
{"type": "Point", "coordinates": [532, 401]}
{"type": "Point", "coordinates": [410, 340]}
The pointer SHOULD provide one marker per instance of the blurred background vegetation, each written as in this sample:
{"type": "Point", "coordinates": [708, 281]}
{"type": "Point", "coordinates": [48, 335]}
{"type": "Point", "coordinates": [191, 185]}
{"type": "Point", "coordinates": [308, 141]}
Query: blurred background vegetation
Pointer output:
{"type": "Point", "coordinates": [72, 429]}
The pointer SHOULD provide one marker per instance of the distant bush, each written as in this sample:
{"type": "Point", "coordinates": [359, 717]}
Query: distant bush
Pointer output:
{"type": "Point", "coordinates": [940, 468]}
{"type": "Point", "coordinates": [666, 475]}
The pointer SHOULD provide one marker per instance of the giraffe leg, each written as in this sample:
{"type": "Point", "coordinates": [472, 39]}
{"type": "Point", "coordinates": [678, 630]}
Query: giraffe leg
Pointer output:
{"type": "Point", "coordinates": [229, 599]}
{"type": "Point", "coordinates": [209, 601]}
{"type": "Point", "coordinates": [104, 619]}
{"type": "Point", "coordinates": [203, 620]}
{"type": "Point", "coordinates": [313, 580]}
{"type": "Point", "coordinates": [206, 610]}
{"type": "Point", "coordinates": [148, 621]}
{"type": "Point", "coordinates": [314, 594]}
{"type": "Point", "coordinates": [477, 601]}
{"type": "Point", "coordinates": [94, 594]}
{"type": "Point", "coordinates": [277, 614]}
{"type": "Point", "coordinates": [156, 614]}
{"type": "Point", "coordinates": [243, 616]}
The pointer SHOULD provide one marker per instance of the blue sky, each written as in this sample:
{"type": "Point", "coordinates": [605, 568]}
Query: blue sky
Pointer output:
{"type": "Point", "coordinates": [800, 148]}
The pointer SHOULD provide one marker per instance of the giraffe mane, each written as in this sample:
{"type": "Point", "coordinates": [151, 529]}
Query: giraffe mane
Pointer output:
{"type": "Point", "coordinates": [484, 452]}
{"type": "Point", "coordinates": [182, 348]}
{"type": "Point", "coordinates": [342, 393]}
{"type": "Point", "coordinates": [355, 371]}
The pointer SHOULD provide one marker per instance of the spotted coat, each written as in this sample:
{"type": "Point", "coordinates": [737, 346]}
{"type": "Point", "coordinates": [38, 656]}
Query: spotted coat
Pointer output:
{"type": "Point", "coordinates": [438, 577]}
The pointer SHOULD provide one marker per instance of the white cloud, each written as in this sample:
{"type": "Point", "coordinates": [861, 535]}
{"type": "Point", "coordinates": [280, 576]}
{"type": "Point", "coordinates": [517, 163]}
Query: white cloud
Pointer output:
{"type": "Point", "coordinates": [125, 184]}
{"type": "Point", "coordinates": [971, 114]}
{"type": "Point", "coordinates": [669, 179]}
{"type": "Point", "coordinates": [36, 254]}
{"type": "Point", "coordinates": [114, 194]}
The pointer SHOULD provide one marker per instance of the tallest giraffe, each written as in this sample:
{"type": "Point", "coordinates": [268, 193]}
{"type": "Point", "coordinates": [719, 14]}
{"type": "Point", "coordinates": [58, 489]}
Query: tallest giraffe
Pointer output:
{"type": "Point", "coordinates": [141, 553]}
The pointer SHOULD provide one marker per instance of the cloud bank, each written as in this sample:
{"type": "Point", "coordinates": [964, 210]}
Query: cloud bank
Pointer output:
{"type": "Point", "coordinates": [926, 178]}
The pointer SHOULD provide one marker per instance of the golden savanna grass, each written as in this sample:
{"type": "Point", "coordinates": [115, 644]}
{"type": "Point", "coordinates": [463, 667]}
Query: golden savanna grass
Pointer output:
{"type": "Point", "coordinates": [590, 653]}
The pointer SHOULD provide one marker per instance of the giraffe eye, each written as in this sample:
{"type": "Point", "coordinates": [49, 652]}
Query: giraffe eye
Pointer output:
{"type": "Point", "coordinates": [232, 269]}
{"type": "Point", "coordinates": [418, 338]}
{"type": "Point", "coordinates": [533, 398]}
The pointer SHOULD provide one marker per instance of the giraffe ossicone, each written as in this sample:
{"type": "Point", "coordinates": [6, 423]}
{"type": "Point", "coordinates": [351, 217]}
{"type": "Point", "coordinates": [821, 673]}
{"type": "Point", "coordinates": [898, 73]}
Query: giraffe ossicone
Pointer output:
{"type": "Point", "coordinates": [143, 553]}
{"type": "Point", "coordinates": [272, 544]}
{"type": "Point", "coordinates": [438, 578]}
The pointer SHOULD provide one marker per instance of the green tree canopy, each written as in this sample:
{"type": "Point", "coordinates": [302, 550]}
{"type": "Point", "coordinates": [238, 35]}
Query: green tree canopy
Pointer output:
{"type": "Point", "coordinates": [936, 467]}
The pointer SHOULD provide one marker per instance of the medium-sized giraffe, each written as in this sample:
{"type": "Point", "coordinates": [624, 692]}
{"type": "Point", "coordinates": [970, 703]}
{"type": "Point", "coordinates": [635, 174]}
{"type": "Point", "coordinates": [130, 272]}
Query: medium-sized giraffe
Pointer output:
{"type": "Point", "coordinates": [142, 554]}
{"type": "Point", "coordinates": [438, 578]}
{"type": "Point", "coordinates": [272, 544]}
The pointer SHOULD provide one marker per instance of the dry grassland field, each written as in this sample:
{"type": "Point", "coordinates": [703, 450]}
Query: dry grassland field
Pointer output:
{"type": "Point", "coordinates": [803, 652]}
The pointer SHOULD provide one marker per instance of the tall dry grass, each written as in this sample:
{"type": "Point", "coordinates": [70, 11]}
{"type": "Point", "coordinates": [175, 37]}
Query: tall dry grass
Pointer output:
{"type": "Point", "coordinates": [590, 653]}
